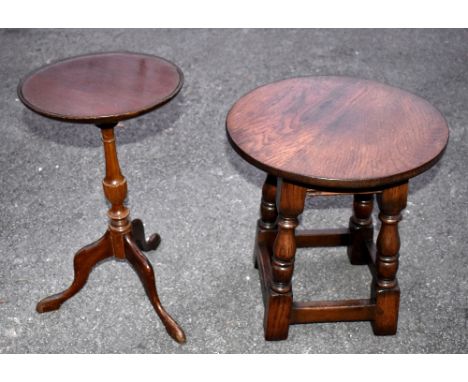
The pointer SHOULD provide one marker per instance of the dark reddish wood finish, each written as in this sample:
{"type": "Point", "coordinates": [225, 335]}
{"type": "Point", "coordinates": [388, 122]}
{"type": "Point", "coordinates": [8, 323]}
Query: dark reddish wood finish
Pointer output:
{"type": "Point", "coordinates": [86, 76]}
{"type": "Point", "coordinates": [144, 244]}
{"type": "Point", "coordinates": [361, 228]}
{"type": "Point", "coordinates": [337, 132]}
{"type": "Point", "coordinates": [290, 202]}
{"type": "Point", "coordinates": [85, 259]}
{"type": "Point", "coordinates": [145, 271]}
{"type": "Point", "coordinates": [268, 212]}
{"type": "Point", "coordinates": [123, 240]}
{"type": "Point", "coordinates": [331, 311]}
{"type": "Point", "coordinates": [101, 88]}
{"type": "Point", "coordinates": [385, 287]}
{"type": "Point", "coordinates": [330, 136]}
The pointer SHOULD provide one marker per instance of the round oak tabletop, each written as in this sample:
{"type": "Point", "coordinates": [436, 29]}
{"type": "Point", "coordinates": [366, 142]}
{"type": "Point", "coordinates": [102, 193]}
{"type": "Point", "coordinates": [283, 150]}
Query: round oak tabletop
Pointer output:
{"type": "Point", "coordinates": [101, 88]}
{"type": "Point", "coordinates": [337, 132]}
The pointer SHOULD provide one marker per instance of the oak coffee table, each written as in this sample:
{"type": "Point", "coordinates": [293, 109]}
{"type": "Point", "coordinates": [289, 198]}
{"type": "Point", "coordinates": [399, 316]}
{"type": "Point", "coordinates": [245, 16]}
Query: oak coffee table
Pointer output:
{"type": "Point", "coordinates": [331, 136]}
{"type": "Point", "coordinates": [104, 89]}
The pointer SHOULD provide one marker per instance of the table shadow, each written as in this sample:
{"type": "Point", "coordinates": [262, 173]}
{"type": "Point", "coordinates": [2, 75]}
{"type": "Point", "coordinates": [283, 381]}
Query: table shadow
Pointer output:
{"type": "Point", "coordinates": [87, 135]}
{"type": "Point", "coordinates": [256, 177]}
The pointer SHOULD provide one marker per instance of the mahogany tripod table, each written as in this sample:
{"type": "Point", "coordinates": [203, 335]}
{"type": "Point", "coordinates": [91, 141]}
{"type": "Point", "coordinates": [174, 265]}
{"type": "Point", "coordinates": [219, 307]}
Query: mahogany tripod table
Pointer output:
{"type": "Point", "coordinates": [330, 136]}
{"type": "Point", "coordinates": [104, 89]}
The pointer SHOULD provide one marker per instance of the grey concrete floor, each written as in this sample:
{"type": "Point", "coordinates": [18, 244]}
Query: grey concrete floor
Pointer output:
{"type": "Point", "coordinates": [186, 183]}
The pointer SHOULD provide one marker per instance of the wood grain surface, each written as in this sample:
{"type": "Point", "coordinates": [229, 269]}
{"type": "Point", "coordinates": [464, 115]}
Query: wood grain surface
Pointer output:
{"type": "Point", "coordinates": [101, 88]}
{"type": "Point", "coordinates": [337, 132]}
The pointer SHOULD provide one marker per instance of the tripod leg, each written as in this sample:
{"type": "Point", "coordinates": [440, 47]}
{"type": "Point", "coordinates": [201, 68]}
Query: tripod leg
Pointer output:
{"type": "Point", "coordinates": [145, 271]}
{"type": "Point", "coordinates": [85, 259]}
{"type": "Point", "coordinates": [138, 233]}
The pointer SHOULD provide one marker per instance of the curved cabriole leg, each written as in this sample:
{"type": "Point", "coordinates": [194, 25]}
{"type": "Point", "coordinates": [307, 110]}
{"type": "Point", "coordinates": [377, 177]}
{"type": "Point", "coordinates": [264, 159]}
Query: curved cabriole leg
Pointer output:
{"type": "Point", "coordinates": [385, 287]}
{"type": "Point", "coordinates": [290, 201]}
{"type": "Point", "coordinates": [84, 261]}
{"type": "Point", "coordinates": [145, 271]}
{"type": "Point", "coordinates": [138, 234]}
{"type": "Point", "coordinates": [266, 225]}
{"type": "Point", "coordinates": [361, 229]}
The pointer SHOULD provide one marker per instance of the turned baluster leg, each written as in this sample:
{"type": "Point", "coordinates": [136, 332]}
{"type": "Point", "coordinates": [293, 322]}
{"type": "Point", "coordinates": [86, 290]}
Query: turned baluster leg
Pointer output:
{"type": "Point", "coordinates": [385, 287]}
{"type": "Point", "coordinates": [268, 212]}
{"type": "Point", "coordinates": [290, 202]}
{"type": "Point", "coordinates": [266, 225]}
{"type": "Point", "coordinates": [361, 228]}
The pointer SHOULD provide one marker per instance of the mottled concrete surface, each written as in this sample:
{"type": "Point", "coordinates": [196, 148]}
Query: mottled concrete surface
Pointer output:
{"type": "Point", "coordinates": [187, 183]}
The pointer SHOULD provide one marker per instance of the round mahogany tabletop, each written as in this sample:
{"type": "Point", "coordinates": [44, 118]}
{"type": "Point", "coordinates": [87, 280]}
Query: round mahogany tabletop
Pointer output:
{"type": "Point", "coordinates": [101, 88]}
{"type": "Point", "coordinates": [337, 132]}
